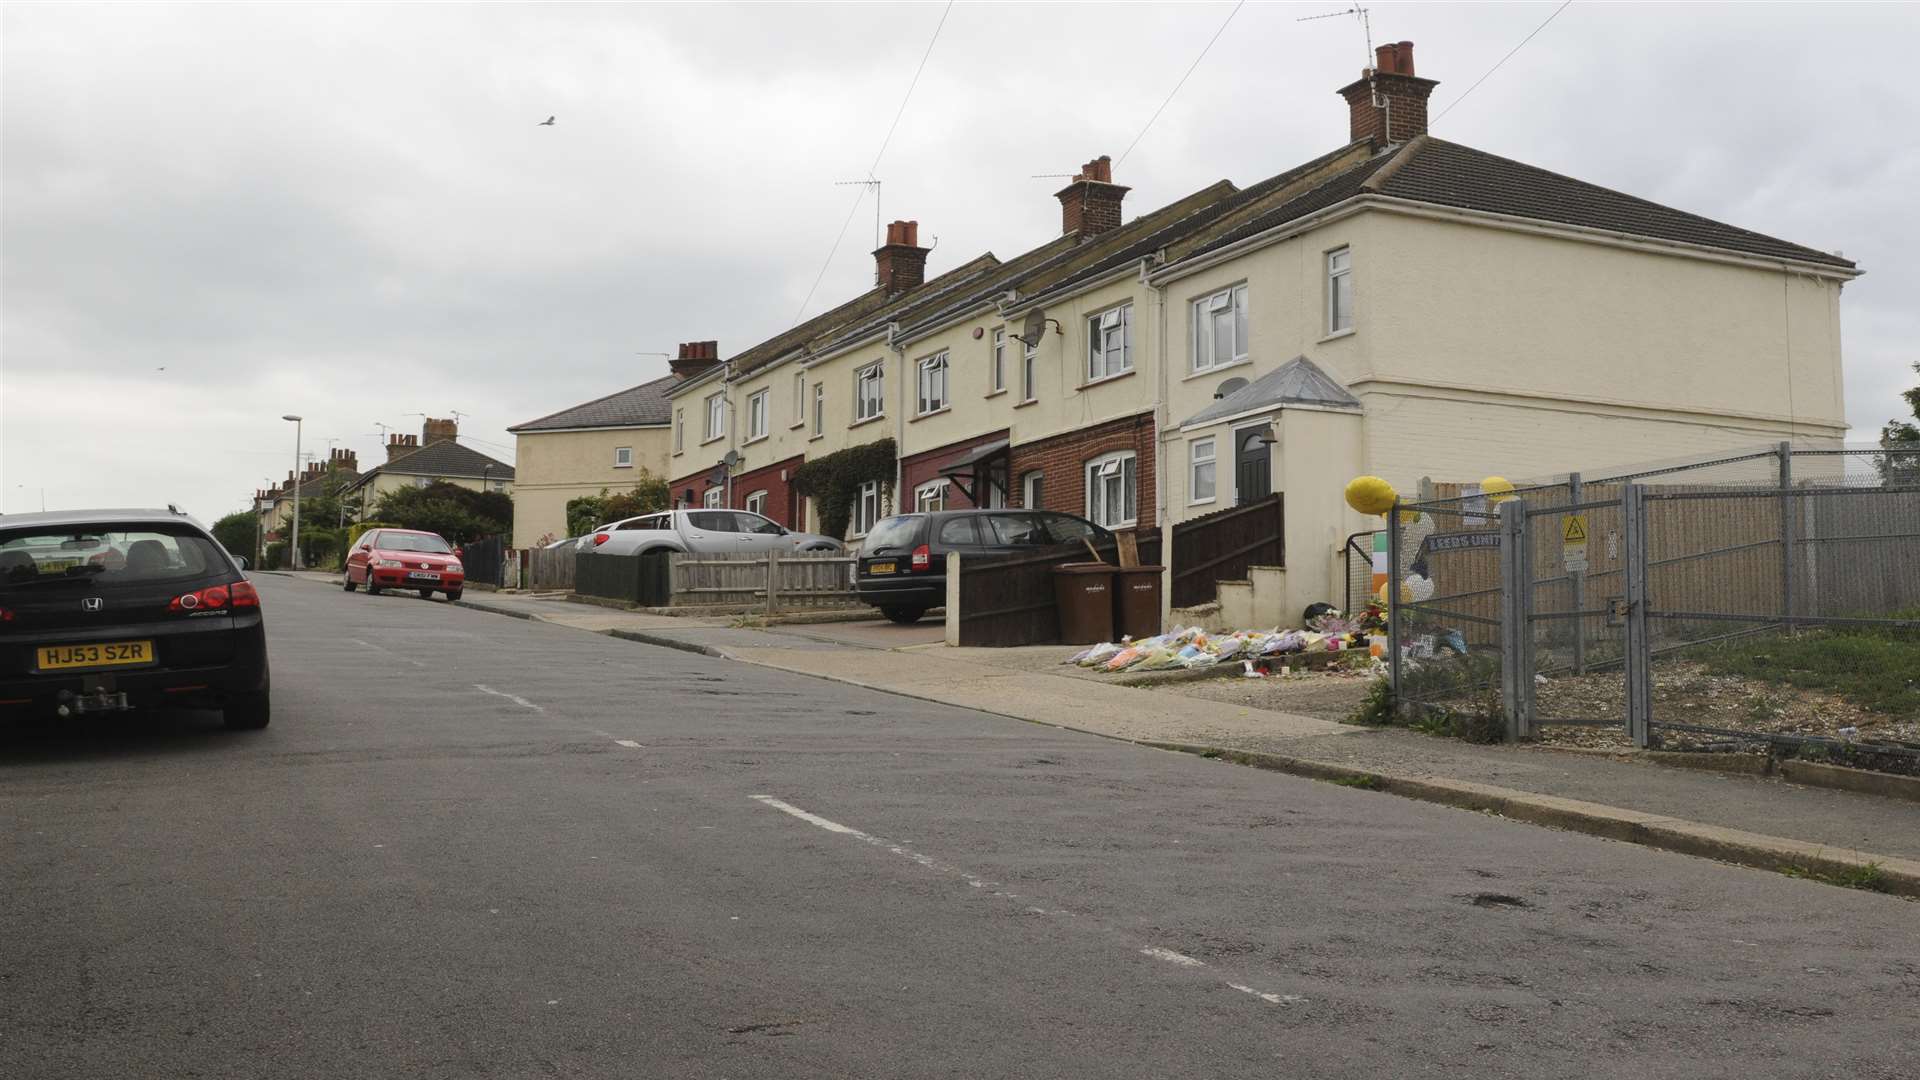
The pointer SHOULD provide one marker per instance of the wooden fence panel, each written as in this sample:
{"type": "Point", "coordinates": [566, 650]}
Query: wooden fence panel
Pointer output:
{"type": "Point", "coordinates": [802, 580]}
{"type": "Point", "coordinates": [551, 568]}
{"type": "Point", "coordinates": [1009, 601]}
{"type": "Point", "coordinates": [1224, 545]}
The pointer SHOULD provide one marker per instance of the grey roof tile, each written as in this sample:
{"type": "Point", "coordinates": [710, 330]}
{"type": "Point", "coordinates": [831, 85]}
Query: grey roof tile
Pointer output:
{"type": "Point", "coordinates": [444, 458]}
{"type": "Point", "coordinates": [634, 406]}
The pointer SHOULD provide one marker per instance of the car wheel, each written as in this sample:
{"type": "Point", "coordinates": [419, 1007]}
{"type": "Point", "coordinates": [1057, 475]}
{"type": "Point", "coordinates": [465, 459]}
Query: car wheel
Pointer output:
{"type": "Point", "coordinates": [905, 616]}
{"type": "Point", "coordinates": [248, 712]}
{"type": "Point", "coordinates": [372, 589]}
{"type": "Point", "coordinates": [453, 594]}
{"type": "Point", "coordinates": [346, 580]}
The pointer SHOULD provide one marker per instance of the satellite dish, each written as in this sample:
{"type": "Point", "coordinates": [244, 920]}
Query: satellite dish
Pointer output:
{"type": "Point", "coordinates": [1034, 328]}
{"type": "Point", "coordinates": [732, 459]}
{"type": "Point", "coordinates": [1228, 387]}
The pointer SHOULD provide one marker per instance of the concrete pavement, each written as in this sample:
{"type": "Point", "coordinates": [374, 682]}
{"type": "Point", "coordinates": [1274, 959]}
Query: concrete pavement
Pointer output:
{"type": "Point", "coordinates": [475, 846]}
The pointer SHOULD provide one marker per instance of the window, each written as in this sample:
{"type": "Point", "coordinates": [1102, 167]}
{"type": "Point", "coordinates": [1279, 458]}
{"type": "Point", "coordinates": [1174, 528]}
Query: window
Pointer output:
{"type": "Point", "coordinates": [1220, 329]}
{"type": "Point", "coordinates": [757, 502]}
{"type": "Point", "coordinates": [422, 481]}
{"type": "Point", "coordinates": [1030, 492]}
{"type": "Point", "coordinates": [799, 398]}
{"type": "Point", "coordinates": [1110, 490]}
{"type": "Point", "coordinates": [996, 491]}
{"type": "Point", "coordinates": [930, 496]}
{"type": "Point", "coordinates": [1339, 290]}
{"type": "Point", "coordinates": [713, 497]}
{"type": "Point", "coordinates": [499, 485]}
{"type": "Point", "coordinates": [866, 509]}
{"type": "Point", "coordinates": [957, 532]}
{"type": "Point", "coordinates": [1200, 459]}
{"type": "Point", "coordinates": [869, 392]}
{"type": "Point", "coordinates": [759, 524]}
{"type": "Point", "coordinates": [1015, 530]}
{"type": "Point", "coordinates": [716, 416]}
{"type": "Point", "coordinates": [819, 408]}
{"type": "Point", "coordinates": [933, 383]}
{"type": "Point", "coordinates": [714, 520]}
{"type": "Point", "coordinates": [1066, 529]}
{"type": "Point", "coordinates": [1029, 360]}
{"type": "Point", "coordinates": [623, 457]}
{"type": "Point", "coordinates": [757, 414]}
{"type": "Point", "coordinates": [1110, 343]}
{"type": "Point", "coordinates": [679, 430]}
{"type": "Point", "coordinates": [999, 365]}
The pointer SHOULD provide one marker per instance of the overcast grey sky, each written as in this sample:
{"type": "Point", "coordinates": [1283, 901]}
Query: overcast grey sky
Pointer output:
{"type": "Point", "coordinates": [347, 211]}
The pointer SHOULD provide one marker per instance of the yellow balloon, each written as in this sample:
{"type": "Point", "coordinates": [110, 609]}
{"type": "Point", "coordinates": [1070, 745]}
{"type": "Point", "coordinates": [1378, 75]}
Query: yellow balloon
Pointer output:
{"type": "Point", "coordinates": [1370, 495]}
{"type": "Point", "coordinates": [1406, 594]}
{"type": "Point", "coordinates": [1497, 489]}
{"type": "Point", "coordinates": [1409, 516]}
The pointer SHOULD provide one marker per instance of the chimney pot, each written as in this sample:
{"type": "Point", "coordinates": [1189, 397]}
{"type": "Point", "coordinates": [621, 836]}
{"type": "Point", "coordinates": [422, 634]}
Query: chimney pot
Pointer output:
{"type": "Point", "coordinates": [901, 263]}
{"type": "Point", "coordinates": [1090, 205]}
{"type": "Point", "coordinates": [1401, 115]}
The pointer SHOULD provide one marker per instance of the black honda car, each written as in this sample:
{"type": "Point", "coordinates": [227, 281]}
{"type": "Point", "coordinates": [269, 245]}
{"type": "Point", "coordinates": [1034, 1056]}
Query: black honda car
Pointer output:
{"type": "Point", "coordinates": [107, 610]}
{"type": "Point", "coordinates": [903, 560]}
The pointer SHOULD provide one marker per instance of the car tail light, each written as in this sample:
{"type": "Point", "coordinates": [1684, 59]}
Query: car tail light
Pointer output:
{"type": "Point", "coordinates": [6, 615]}
{"type": "Point", "coordinates": [211, 598]}
{"type": "Point", "coordinates": [242, 594]}
{"type": "Point", "coordinates": [599, 538]}
{"type": "Point", "coordinates": [922, 557]}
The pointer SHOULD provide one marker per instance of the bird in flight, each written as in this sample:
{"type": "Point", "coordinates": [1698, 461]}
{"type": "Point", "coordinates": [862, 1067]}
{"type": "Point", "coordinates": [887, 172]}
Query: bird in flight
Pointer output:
{"type": "Point", "coordinates": [548, 122]}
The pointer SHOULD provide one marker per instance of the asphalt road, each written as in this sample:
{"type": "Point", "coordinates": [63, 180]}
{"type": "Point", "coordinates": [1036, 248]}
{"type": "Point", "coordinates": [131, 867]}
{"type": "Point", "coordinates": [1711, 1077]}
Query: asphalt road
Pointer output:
{"type": "Point", "coordinates": [473, 846]}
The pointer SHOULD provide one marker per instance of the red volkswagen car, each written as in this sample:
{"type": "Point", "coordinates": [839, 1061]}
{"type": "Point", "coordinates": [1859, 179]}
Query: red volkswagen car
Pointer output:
{"type": "Point", "coordinates": [405, 559]}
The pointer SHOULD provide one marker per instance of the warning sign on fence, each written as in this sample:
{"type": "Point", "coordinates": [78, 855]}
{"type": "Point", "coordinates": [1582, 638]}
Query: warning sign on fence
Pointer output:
{"type": "Point", "coordinates": [1573, 542]}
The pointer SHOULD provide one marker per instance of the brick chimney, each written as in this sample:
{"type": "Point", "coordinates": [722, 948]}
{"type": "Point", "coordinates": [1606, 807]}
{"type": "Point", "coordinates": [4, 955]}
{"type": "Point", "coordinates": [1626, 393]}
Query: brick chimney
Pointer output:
{"type": "Point", "coordinates": [901, 263]}
{"type": "Point", "coordinates": [398, 445]}
{"type": "Point", "coordinates": [1091, 204]}
{"type": "Point", "coordinates": [1401, 113]}
{"type": "Point", "coordinates": [342, 458]}
{"type": "Point", "coordinates": [695, 357]}
{"type": "Point", "coordinates": [433, 431]}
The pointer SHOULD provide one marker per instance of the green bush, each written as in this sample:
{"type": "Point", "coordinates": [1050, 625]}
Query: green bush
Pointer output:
{"type": "Point", "coordinates": [833, 482]}
{"type": "Point", "coordinates": [461, 515]}
{"type": "Point", "coordinates": [276, 555]}
{"type": "Point", "coordinates": [650, 493]}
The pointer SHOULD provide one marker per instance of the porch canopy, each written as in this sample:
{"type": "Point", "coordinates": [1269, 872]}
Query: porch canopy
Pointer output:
{"type": "Point", "coordinates": [977, 467]}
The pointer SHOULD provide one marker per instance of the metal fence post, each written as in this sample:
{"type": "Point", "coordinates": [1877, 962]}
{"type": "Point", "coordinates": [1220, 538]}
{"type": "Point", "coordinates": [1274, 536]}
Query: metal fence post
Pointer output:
{"type": "Point", "coordinates": [1575, 491]}
{"type": "Point", "coordinates": [1638, 661]}
{"type": "Point", "coordinates": [1786, 534]}
{"type": "Point", "coordinates": [1514, 673]}
{"type": "Point", "coordinates": [1393, 607]}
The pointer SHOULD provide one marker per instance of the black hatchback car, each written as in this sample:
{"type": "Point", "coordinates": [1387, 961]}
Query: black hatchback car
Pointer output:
{"type": "Point", "coordinates": [903, 565]}
{"type": "Point", "coordinates": [106, 610]}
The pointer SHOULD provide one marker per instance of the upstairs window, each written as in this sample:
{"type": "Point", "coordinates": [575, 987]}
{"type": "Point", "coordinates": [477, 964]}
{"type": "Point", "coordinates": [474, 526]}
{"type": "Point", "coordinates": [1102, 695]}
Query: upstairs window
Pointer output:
{"type": "Point", "coordinates": [869, 392]}
{"type": "Point", "coordinates": [679, 430]}
{"type": "Point", "coordinates": [757, 414]}
{"type": "Point", "coordinates": [933, 383]}
{"type": "Point", "coordinates": [1339, 290]}
{"type": "Point", "coordinates": [1111, 490]}
{"type": "Point", "coordinates": [716, 416]}
{"type": "Point", "coordinates": [799, 398]}
{"type": "Point", "coordinates": [1029, 363]}
{"type": "Point", "coordinates": [998, 372]}
{"type": "Point", "coordinates": [1110, 343]}
{"type": "Point", "coordinates": [1220, 329]}
{"type": "Point", "coordinates": [623, 457]}
{"type": "Point", "coordinates": [819, 408]}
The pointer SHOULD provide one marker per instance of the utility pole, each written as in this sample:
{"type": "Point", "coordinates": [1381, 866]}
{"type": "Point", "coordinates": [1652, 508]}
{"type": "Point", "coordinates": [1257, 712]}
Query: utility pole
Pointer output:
{"type": "Point", "coordinates": [296, 489]}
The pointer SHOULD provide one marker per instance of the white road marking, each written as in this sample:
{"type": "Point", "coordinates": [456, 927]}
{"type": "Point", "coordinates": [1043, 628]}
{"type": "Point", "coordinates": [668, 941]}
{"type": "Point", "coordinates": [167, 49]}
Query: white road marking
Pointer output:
{"type": "Point", "coordinates": [1271, 999]}
{"type": "Point", "coordinates": [628, 743]}
{"type": "Point", "coordinates": [1172, 957]}
{"type": "Point", "coordinates": [515, 698]}
{"type": "Point", "coordinates": [389, 652]}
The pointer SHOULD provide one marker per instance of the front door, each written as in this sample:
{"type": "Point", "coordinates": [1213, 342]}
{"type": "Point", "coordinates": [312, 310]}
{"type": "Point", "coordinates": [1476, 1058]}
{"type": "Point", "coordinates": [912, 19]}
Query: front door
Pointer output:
{"type": "Point", "coordinates": [1253, 467]}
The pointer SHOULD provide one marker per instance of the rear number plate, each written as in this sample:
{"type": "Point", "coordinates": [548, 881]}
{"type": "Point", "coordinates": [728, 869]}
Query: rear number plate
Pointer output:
{"type": "Point", "coordinates": [423, 575]}
{"type": "Point", "coordinates": [111, 654]}
{"type": "Point", "coordinates": [880, 568]}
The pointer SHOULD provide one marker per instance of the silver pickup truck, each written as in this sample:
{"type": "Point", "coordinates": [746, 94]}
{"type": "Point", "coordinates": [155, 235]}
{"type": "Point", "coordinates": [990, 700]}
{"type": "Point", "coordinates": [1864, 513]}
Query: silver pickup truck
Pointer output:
{"type": "Point", "coordinates": [703, 532]}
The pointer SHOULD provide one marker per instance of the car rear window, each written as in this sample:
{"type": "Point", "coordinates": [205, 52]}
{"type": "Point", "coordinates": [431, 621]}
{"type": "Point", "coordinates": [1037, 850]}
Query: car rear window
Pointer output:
{"type": "Point", "coordinates": [1011, 530]}
{"type": "Point", "coordinates": [105, 555]}
{"type": "Point", "coordinates": [893, 532]}
{"type": "Point", "coordinates": [399, 541]}
{"type": "Point", "coordinates": [957, 532]}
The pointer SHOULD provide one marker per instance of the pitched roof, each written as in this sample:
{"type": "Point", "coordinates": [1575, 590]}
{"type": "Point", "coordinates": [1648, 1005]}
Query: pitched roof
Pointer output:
{"type": "Point", "coordinates": [633, 407]}
{"type": "Point", "coordinates": [1442, 173]}
{"type": "Point", "coordinates": [1299, 381]}
{"type": "Point", "coordinates": [443, 458]}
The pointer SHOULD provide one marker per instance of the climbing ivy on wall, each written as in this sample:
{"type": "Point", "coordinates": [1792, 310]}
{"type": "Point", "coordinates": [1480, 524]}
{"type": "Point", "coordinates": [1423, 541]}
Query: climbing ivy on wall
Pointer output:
{"type": "Point", "coordinates": [833, 482]}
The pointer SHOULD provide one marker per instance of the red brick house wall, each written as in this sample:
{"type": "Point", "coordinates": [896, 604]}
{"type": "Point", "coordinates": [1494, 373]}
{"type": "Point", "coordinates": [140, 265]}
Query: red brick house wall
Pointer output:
{"type": "Point", "coordinates": [783, 503]}
{"type": "Point", "coordinates": [917, 469]}
{"type": "Point", "coordinates": [698, 482]}
{"type": "Point", "coordinates": [1062, 461]}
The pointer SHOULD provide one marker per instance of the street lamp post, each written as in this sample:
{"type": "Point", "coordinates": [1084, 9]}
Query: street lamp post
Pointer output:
{"type": "Point", "coordinates": [296, 488]}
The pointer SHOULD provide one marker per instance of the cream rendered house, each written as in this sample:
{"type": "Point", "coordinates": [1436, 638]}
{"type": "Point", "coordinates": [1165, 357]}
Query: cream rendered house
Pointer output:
{"type": "Point", "coordinates": [435, 456]}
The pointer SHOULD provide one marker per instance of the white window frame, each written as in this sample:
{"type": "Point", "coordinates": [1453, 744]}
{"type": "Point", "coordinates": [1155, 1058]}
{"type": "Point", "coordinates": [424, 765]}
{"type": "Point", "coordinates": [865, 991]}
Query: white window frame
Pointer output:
{"type": "Point", "coordinates": [715, 498]}
{"type": "Point", "coordinates": [934, 394]}
{"type": "Point", "coordinates": [1230, 305]}
{"type": "Point", "coordinates": [623, 457]}
{"type": "Point", "coordinates": [930, 497]}
{"type": "Point", "coordinates": [870, 391]}
{"type": "Point", "coordinates": [1033, 489]}
{"type": "Point", "coordinates": [716, 416]}
{"type": "Point", "coordinates": [799, 398]}
{"type": "Point", "coordinates": [1339, 285]}
{"type": "Point", "coordinates": [1121, 465]}
{"type": "Point", "coordinates": [1029, 372]}
{"type": "Point", "coordinates": [679, 430]}
{"type": "Point", "coordinates": [819, 409]}
{"type": "Point", "coordinates": [866, 507]}
{"type": "Point", "coordinates": [998, 368]}
{"type": "Point", "coordinates": [757, 502]}
{"type": "Point", "coordinates": [757, 406]}
{"type": "Point", "coordinates": [1203, 453]}
{"type": "Point", "coordinates": [1110, 342]}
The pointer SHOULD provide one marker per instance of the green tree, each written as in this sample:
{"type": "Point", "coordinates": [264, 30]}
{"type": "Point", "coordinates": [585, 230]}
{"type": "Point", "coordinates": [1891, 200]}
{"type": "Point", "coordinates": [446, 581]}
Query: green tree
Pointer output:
{"type": "Point", "coordinates": [1902, 439]}
{"type": "Point", "coordinates": [650, 493]}
{"type": "Point", "coordinates": [460, 514]}
{"type": "Point", "coordinates": [237, 532]}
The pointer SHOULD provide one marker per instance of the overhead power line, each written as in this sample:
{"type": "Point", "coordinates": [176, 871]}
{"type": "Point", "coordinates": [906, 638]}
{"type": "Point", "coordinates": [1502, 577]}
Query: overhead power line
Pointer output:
{"type": "Point", "coordinates": [884, 143]}
{"type": "Point", "coordinates": [1504, 59]}
{"type": "Point", "coordinates": [1183, 80]}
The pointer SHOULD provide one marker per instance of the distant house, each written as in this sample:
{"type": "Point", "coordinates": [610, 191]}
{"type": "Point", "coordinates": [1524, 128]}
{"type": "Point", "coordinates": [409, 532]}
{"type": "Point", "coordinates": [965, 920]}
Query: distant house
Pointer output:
{"type": "Point", "coordinates": [602, 444]}
{"type": "Point", "coordinates": [434, 455]}
{"type": "Point", "coordinates": [274, 505]}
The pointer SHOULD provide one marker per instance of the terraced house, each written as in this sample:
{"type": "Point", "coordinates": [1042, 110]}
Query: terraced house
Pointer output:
{"type": "Point", "coordinates": [1402, 305]}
